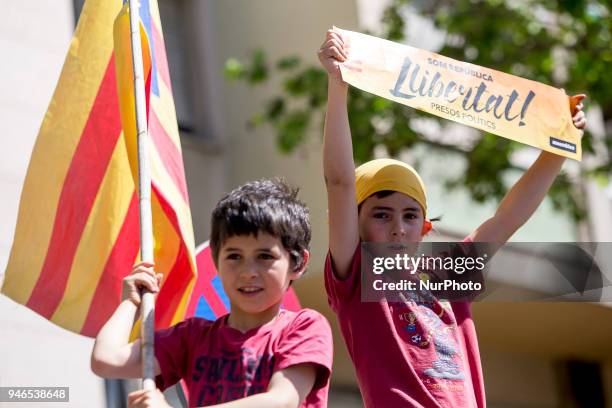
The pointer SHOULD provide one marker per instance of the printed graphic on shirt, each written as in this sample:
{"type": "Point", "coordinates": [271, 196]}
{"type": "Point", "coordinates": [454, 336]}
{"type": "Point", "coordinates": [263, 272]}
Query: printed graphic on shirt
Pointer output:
{"type": "Point", "coordinates": [230, 376]}
{"type": "Point", "coordinates": [446, 349]}
{"type": "Point", "coordinates": [424, 321]}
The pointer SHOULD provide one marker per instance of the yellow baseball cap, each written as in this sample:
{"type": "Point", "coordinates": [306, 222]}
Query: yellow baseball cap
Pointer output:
{"type": "Point", "coordinates": [388, 174]}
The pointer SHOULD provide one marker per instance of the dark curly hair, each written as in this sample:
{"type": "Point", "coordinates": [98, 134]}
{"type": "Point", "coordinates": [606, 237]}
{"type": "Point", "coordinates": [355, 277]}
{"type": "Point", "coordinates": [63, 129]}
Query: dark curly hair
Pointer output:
{"type": "Point", "coordinates": [269, 206]}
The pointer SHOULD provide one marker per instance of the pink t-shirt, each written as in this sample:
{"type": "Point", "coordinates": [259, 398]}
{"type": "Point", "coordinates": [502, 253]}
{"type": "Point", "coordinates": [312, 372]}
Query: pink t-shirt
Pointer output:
{"type": "Point", "coordinates": [220, 363]}
{"type": "Point", "coordinates": [407, 354]}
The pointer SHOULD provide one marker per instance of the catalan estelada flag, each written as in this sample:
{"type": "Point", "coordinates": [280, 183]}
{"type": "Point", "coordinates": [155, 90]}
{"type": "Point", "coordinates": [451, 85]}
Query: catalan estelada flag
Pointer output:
{"type": "Point", "coordinates": [77, 233]}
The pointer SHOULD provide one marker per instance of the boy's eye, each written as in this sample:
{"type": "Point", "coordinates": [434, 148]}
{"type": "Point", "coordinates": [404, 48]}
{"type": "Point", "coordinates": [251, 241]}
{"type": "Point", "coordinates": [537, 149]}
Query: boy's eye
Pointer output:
{"type": "Point", "coordinates": [232, 256]}
{"type": "Point", "coordinates": [266, 256]}
{"type": "Point", "coordinates": [410, 216]}
{"type": "Point", "coordinates": [381, 215]}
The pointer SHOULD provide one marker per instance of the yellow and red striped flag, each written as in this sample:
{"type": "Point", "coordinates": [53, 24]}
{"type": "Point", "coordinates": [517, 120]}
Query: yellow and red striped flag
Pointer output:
{"type": "Point", "coordinates": [77, 233]}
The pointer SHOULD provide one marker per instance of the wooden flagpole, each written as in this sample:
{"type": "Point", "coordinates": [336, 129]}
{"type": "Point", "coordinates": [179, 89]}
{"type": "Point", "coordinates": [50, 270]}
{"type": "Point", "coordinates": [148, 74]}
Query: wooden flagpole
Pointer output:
{"type": "Point", "coordinates": [147, 306]}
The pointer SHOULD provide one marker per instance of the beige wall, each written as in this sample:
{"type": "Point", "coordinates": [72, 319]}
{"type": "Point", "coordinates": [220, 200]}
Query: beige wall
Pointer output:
{"type": "Point", "coordinates": [520, 380]}
{"type": "Point", "coordinates": [523, 346]}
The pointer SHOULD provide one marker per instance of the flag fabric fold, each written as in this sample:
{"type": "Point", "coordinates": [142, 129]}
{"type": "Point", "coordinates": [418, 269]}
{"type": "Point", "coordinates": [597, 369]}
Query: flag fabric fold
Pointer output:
{"type": "Point", "coordinates": [77, 231]}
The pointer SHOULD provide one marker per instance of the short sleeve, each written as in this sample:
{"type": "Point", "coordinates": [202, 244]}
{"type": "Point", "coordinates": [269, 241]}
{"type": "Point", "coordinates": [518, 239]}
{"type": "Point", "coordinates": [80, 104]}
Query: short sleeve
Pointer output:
{"type": "Point", "coordinates": [171, 348]}
{"type": "Point", "coordinates": [308, 339]}
{"type": "Point", "coordinates": [341, 290]}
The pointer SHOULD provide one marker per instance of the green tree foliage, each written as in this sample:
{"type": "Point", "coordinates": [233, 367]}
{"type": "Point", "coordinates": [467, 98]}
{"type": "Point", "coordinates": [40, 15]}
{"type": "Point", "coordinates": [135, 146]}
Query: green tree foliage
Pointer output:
{"type": "Point", "coordinates": [564, 43]}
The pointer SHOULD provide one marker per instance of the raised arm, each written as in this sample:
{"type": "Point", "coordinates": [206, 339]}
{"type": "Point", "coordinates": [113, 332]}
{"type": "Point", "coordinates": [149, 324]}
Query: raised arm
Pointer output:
{"type": "Point", "coordinates": [338, 163]}
{"type": "Point", "coordinates": [113, 356]}
{"type": "Point", "coordinates": [525, 196]}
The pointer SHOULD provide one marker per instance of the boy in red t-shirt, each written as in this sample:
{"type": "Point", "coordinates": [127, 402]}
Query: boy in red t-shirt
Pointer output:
{"type": "Point", "coordinates": [409, 353]}
{"type": "Point", "coordinates": [258, 355]}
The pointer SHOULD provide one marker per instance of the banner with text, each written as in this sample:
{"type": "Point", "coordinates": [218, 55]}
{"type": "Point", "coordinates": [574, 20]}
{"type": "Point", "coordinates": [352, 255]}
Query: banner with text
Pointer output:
{"type": "Point", "coordinates": [505, 105]}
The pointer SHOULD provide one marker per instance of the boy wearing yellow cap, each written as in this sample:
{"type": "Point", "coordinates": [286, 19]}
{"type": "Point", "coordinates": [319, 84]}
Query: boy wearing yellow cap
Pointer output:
{"type": "Point", "coordinates": [406, 354]}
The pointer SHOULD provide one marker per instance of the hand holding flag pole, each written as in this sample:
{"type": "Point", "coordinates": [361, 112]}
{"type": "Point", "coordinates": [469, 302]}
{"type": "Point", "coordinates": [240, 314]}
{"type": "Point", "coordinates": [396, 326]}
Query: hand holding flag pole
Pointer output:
{"type": "Point", "coordinates": [147, 307]}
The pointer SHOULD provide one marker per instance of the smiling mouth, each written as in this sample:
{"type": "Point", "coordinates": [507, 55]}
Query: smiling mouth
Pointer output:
{"type": "Point", "coordinates": [249, 290]}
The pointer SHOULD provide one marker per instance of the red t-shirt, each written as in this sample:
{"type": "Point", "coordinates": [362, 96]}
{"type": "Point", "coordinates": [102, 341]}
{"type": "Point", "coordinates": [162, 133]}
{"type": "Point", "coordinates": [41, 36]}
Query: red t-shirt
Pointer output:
{"type": "Point", "coordinates": [221, 364]}
{"type": "Point", "coordinates": [407, 354]}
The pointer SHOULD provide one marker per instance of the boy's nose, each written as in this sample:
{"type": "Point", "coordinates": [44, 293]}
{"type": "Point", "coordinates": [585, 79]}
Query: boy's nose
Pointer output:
{"type": "Point", "coordinates": [249, 271]}
{"type": "Point", "coordinates": [398, 230]}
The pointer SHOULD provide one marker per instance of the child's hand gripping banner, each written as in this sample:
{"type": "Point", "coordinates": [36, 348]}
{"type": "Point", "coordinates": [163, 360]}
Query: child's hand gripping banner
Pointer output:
{"type": "Point", "coordinates": [506, 105]}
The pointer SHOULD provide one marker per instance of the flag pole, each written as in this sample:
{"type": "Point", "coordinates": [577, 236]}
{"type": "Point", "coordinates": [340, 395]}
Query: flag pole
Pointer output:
{"type": "Point", "coordinates": [147, 306]}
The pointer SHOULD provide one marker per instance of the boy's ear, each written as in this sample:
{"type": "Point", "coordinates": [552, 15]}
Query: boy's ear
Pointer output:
{"type": "Point", "coordinates": [299, 270]}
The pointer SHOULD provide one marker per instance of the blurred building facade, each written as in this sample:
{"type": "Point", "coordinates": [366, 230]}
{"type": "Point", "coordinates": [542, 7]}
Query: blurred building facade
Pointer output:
{"type": "Point", "coordinates": [533, 355]}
